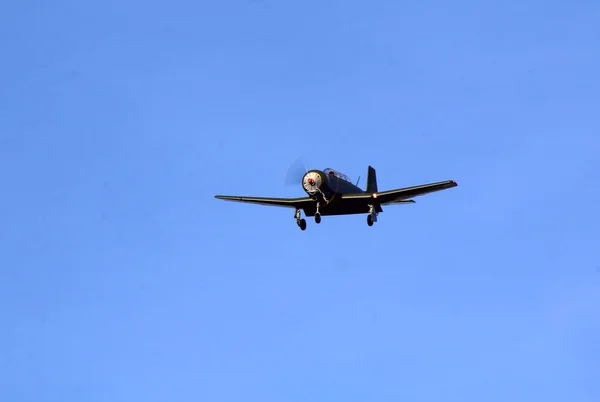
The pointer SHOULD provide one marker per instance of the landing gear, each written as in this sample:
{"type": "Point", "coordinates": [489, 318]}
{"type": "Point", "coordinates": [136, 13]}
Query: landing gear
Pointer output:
{"type": "Point", "coordinates": [372, 217]}
{"type": "Point", "coordinates": [300, 222]}
{"type": "Point", "coordinates": [317, 215]}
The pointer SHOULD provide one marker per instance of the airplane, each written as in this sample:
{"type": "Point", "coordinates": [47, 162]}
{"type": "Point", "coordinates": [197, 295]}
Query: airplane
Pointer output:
{"type": "Point", "coordinates": [332, 193]}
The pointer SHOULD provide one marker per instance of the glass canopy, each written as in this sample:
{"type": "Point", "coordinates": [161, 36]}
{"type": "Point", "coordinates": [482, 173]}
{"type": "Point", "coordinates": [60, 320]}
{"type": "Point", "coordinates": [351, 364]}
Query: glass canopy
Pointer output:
{"type": "Point", "coordinates": [337, 174]}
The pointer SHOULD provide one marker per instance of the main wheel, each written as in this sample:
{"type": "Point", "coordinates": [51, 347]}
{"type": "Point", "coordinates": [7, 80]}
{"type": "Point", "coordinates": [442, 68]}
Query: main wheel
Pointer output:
{"type": "Point", "coordinates": [370, 220]}
{"type": "Point", "coordinates": [318, 218]}
{"type": "Point", "coordinates": [302, 224]}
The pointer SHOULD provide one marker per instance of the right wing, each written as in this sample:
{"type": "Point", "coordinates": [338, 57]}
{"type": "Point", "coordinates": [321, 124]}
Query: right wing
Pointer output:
{"type": "Point", "coordinates": [403, 195]}
{"type": "Point", "coordinates": [298, 203]}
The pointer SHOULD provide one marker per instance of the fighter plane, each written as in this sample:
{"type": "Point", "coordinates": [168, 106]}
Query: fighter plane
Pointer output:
{"type": "Point", "coordinates": [332, 193]}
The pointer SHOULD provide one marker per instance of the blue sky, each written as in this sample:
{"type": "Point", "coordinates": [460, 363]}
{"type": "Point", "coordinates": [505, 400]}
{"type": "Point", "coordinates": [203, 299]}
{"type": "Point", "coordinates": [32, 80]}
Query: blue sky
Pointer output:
{"type": "Point", "coordinates": [123, 279]}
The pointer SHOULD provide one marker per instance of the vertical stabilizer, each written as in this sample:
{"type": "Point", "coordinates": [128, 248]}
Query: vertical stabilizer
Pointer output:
{"type": "Point", "coordinates": [371, 181]}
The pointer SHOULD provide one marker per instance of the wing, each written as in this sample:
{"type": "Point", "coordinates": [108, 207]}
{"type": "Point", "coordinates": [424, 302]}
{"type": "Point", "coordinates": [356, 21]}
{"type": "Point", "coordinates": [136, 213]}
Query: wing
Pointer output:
{"type": "Point", "coordinates": [274, 202]}
{"type": "Point", "coordinates": [402, 195]}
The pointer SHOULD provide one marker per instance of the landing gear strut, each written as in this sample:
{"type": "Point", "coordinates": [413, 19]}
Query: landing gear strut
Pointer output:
{"type": "Point", "coordinates": [317, 215]}
{"type": "Point", "coordinates": [372, 217]}
{"type": "Point", "coordinates": [300, 222]}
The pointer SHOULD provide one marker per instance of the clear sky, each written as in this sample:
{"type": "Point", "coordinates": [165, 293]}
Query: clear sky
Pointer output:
{"type": "Point", "coordinates": [123, 279]}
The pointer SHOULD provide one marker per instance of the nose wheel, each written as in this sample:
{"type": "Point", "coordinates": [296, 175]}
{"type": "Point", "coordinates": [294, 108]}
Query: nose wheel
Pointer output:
{"type": "Point", "coordinates": [318, 214]}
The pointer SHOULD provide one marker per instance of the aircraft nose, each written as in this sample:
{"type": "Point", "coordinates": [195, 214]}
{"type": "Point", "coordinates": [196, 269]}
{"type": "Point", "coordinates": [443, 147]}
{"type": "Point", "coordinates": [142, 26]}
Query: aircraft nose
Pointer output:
{"type": "Point", "coordinates": [311, 181]}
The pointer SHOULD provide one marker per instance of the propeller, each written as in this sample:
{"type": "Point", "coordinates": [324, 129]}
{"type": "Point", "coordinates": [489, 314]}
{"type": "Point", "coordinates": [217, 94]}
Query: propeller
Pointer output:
{"type": "Point", "coordinates": [295, 172]}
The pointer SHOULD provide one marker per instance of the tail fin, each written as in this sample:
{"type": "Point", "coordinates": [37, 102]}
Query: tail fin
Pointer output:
{"type": "Point", "coordinates": [371, 181]}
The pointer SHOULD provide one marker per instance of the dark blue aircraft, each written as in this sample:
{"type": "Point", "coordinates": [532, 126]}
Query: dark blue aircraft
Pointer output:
{"type": "Point", "coordinates": [332, 193]}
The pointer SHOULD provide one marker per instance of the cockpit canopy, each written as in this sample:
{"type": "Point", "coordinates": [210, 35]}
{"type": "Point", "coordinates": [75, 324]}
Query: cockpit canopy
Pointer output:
{"type": "Point", "coordinates": [337, 174]}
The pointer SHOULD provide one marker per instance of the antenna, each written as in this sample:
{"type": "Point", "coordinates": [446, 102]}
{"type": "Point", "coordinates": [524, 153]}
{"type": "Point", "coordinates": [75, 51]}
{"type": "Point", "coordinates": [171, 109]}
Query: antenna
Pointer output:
{"type": "Point", "coordinates": [357, 181]}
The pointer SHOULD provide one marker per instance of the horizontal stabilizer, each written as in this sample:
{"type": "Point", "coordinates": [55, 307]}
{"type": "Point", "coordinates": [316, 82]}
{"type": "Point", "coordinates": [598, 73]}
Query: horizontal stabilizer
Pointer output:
{"type": "Point", "coordinates": [402, 202]}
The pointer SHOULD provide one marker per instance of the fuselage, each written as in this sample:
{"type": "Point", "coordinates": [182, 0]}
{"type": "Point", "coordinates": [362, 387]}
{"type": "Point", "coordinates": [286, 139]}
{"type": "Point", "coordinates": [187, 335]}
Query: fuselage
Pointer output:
{"type": "Point", "coordinates": [326, 187]}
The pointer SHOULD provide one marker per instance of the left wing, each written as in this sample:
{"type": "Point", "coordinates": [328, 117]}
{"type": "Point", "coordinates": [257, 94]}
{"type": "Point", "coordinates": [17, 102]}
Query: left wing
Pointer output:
{"type": "Point", "coordinates": [402, 195]}
{"type": "Point", "coordinates": [298, 203]}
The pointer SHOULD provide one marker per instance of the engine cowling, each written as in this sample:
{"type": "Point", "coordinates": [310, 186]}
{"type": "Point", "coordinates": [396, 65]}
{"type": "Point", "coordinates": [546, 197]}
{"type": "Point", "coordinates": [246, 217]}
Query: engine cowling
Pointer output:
{"type": "Point", "coordinates": [314, 182]}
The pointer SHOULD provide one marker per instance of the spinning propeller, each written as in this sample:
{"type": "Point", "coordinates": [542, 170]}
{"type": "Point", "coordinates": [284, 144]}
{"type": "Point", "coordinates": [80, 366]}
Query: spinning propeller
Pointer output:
{"type": "Point", "coordinates": [295, 172]}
